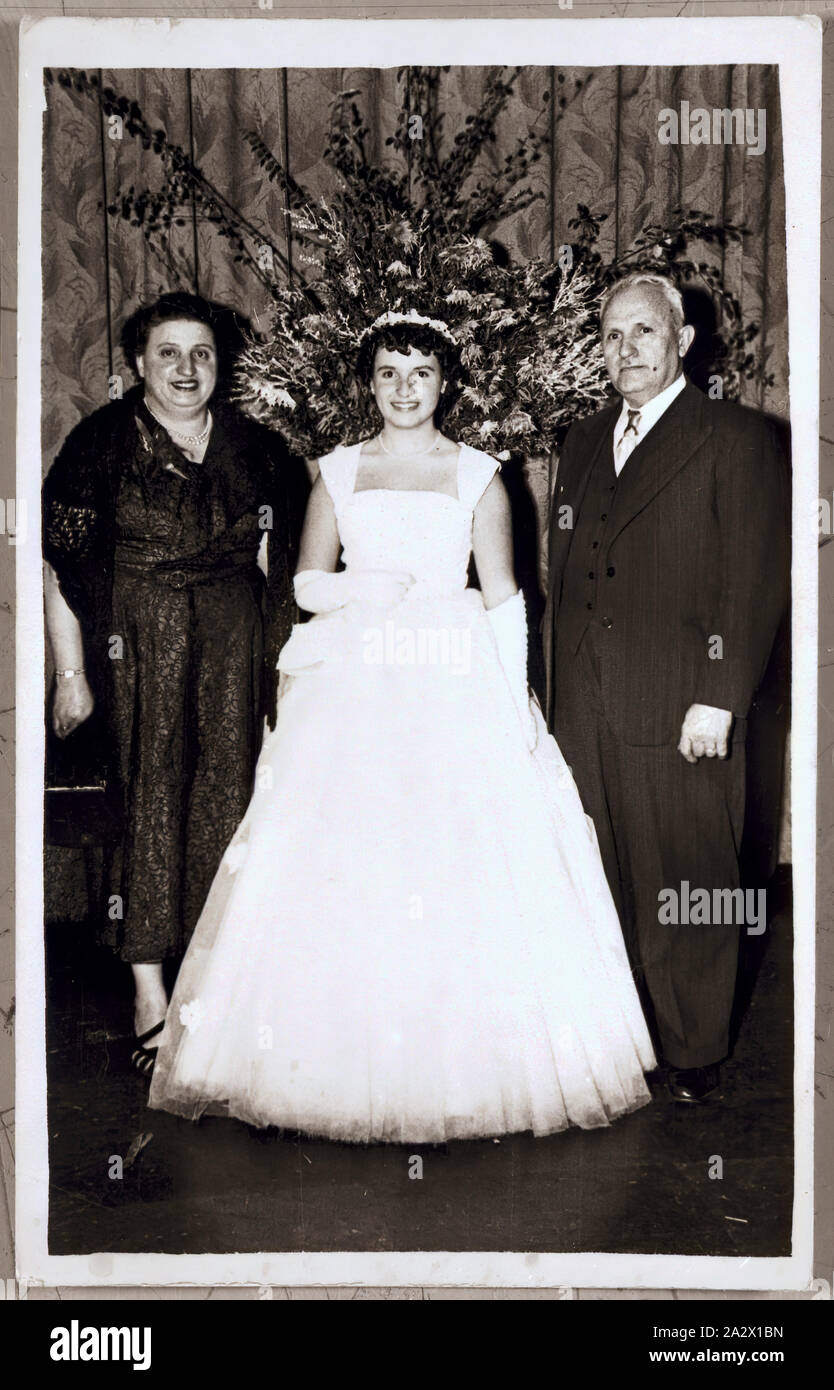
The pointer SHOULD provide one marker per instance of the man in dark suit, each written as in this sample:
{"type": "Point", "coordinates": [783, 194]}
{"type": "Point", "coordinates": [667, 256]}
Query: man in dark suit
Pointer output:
{"type": "Point", "coordinates": [668, 579]}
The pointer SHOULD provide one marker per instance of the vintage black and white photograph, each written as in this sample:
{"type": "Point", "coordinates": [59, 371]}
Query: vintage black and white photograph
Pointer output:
{"type": "Point", "coordinates": [426, 866]}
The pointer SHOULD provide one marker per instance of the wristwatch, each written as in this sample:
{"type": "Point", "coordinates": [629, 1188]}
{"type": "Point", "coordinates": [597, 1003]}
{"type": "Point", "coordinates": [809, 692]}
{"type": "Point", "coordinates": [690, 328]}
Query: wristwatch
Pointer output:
{"type": "Point", "coordinates": [69, 673]}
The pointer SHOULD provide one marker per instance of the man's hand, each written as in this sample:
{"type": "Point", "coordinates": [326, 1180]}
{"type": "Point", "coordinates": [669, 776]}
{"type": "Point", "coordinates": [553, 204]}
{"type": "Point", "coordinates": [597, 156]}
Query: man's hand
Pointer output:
{"type": "Point", "coordinates": [705, 732]}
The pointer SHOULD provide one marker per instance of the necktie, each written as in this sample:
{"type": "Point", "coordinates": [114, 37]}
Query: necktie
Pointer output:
{"type": "Point", "coordinates": [630, 438]}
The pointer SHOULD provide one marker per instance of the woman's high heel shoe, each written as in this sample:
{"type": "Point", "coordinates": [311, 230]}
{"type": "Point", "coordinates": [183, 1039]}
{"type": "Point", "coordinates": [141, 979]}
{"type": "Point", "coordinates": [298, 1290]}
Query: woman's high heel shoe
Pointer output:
{"type": "Point", "coordinates": [142, 1058]}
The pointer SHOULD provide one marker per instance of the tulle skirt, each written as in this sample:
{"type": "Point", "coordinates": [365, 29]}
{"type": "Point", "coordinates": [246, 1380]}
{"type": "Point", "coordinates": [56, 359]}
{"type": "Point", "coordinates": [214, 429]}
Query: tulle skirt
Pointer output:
{"type": "Point", "coordinates": [410, 937]}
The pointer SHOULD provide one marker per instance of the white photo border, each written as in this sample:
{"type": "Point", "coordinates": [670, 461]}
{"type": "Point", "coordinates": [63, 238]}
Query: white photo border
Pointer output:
{"type": "Point", "coordinates": [795, 45]}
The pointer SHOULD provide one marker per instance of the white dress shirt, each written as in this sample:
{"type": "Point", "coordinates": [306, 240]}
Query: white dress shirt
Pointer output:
{"type": "Point", "coordinates": [650, 413]}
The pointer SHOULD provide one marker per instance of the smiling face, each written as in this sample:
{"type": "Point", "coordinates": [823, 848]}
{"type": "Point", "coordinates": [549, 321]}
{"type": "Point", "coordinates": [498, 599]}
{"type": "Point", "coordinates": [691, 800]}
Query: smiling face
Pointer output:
{"type": "Point", "coordinates": [642, 344]}
{"type": "Point", "coordinates": [179, 367]}
{"type": "Point", "coordinates": [406, 387]}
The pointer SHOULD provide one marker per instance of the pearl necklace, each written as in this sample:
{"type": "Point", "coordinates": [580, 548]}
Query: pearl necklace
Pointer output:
{"type": "Point", "coordinates": [195, 440]}
{"type": "Point", "coordinates": [418, 453]}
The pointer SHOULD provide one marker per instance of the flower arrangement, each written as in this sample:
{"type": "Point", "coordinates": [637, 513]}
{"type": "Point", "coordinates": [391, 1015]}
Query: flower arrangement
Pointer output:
{"type": "Point", "coordinates": [526, 337]}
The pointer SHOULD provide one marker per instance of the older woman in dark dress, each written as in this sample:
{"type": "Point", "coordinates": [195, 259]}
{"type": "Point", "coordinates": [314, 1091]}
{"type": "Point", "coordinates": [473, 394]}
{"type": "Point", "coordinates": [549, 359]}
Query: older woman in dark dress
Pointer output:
{"type": "Point", "coordinates": [155, 511]}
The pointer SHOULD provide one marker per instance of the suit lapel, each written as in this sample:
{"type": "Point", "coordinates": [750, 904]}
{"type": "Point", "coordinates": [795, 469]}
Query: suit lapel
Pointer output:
{"type": "Point", "coordinates": [679, 432]}
{"type": "Point", "coordinates": [572, 485]}
{"type": "Point", "coordinates": [603, 443]}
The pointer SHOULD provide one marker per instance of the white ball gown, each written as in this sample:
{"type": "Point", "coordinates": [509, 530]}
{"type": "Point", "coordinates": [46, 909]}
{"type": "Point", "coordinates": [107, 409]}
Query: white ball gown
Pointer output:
{"type": "Point", "coordinates": [410, 937]}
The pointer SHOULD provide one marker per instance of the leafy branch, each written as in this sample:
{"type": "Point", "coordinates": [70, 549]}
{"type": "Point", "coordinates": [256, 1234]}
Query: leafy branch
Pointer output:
{"type": "Point", "coordinates": [185, 190]}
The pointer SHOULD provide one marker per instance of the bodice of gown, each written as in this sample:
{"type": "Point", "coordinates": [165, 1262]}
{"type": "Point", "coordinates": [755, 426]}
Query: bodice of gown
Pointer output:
{"type": "Point", "coordinates": [426, 534]}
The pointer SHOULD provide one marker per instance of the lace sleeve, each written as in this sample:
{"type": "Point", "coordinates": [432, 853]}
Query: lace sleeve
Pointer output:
{"type": "Point", "coordinates": [77, 512]}
{"type": "Point", "coordinates": [67, 531]}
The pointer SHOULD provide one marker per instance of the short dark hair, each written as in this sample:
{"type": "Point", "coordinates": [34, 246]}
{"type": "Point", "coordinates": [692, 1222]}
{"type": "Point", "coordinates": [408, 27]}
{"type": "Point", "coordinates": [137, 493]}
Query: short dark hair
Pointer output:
{"type": "Point", "coordinates": [176, 305]}
{"type": "Point", "coordinates": [405, 338]}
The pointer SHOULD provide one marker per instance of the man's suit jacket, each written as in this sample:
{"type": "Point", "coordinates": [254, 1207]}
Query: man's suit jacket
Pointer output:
{"type": "Point", "coordinates": [696, 548]}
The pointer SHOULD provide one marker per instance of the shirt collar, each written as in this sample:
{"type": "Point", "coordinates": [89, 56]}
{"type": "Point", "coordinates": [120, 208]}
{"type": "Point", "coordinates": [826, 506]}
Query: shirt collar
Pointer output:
{"type": "Point", "coordinates": [651, 412]}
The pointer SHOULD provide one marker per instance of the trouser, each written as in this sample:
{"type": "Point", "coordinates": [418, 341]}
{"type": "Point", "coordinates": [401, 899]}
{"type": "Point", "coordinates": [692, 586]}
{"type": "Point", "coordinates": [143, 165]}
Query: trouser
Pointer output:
{"type": "Point", "coordinates": [663, 824]}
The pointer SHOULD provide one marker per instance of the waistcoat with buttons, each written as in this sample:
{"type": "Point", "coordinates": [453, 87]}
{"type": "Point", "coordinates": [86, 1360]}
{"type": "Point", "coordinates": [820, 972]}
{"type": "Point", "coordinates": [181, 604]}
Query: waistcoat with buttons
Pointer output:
{"type": "Point", "coordinates": [588, 572]}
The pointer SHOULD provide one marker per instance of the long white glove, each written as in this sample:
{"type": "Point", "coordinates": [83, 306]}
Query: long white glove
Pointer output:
{"type": "Point", "coordinates": [509, 625]}
{"type": "Point", "coordinates": [317, 591]}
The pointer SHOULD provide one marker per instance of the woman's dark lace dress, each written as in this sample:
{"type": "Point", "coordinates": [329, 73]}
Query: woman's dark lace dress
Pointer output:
{"type": "Point", "coordinates": [157, 557]}
{"type": "Point", "coordinates": [185, 691]}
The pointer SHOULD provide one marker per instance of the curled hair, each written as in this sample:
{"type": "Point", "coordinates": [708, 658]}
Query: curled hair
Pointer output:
{"type": "Point", "coordinates": [667, 288]}
{"type": "Point", "coordinates": [405, 338]}
{"type": "Point", "coordinates": [177, 305]}
{"type": "Point", "coordinates": [227, 327]}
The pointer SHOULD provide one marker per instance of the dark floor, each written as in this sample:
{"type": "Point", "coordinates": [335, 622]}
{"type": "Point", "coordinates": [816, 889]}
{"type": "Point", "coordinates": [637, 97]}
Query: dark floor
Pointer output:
{"type": "Point", "coordinates": [642, 1186]}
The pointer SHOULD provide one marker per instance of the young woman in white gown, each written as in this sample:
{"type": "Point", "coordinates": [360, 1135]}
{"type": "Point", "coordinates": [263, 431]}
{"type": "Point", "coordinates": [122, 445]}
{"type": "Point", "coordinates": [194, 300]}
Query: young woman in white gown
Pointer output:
{"type": "Point", "coordinates": [410, 937]}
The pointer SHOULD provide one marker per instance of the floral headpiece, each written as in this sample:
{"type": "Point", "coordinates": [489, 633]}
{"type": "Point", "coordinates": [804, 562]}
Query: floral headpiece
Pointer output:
{"type": "Point", "coordinates": [390, 319]}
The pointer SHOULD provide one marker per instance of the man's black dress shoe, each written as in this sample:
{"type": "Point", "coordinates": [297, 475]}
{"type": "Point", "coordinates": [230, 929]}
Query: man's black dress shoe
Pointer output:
{"type": "Point", "coordinates": [691, 1085]}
